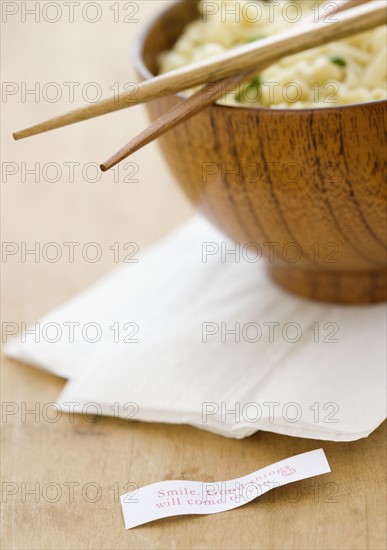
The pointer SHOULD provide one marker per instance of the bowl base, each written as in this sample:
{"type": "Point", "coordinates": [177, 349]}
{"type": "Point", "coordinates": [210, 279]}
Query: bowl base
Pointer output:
{"type": "Point", "coordinates": [365, 287]}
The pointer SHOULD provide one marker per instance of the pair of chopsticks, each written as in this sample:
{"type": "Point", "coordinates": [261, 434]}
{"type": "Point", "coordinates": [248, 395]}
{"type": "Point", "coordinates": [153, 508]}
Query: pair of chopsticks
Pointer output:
{"type": "Point", "coordinates": [233, 67]}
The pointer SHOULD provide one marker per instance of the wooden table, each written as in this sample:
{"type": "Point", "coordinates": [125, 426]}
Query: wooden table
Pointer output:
{"type": "Point", "coordinates": [343, 510]}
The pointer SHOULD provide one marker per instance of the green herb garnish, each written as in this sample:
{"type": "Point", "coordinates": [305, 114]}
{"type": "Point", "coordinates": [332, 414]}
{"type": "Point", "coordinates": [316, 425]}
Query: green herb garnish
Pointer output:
{"type": "Point", "coordinates": [338, 61]}
{"type": "Point", "coordinates": [257, 37]}
{"type": "Point", "coordinates": [255, 83]}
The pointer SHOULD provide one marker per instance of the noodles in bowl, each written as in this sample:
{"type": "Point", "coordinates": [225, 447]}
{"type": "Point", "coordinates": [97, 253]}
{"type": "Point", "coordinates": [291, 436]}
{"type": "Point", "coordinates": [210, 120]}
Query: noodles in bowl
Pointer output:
{"type": "Point", "coordinates": [348, 71]}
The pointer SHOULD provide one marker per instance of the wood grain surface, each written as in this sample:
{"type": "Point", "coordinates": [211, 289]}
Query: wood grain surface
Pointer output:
{"type": "Point", "coordinates": [344, 510]}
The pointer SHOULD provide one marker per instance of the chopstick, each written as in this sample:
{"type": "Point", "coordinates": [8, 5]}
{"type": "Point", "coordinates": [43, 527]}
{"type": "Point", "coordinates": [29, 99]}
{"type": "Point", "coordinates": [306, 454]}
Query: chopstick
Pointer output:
{"type": "Point", "coordinates": [197, 102]}
{"type": "Point", "coordinates": [237, 60]}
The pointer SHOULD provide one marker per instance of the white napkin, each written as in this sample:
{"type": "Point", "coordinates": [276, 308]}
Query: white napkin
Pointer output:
{"type": "Point", "coordinates": [316, 389]}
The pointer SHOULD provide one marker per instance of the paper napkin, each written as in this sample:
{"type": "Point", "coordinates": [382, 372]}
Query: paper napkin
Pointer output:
{"type": "Point", "coordinates": [196, 334]}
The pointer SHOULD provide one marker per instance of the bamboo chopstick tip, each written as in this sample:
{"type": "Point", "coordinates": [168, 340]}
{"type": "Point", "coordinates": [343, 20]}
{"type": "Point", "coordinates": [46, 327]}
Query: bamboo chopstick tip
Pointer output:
{"type": "Point", "coordinates": [103, 167]}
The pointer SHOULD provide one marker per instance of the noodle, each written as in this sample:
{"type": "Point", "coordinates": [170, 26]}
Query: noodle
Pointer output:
{"type": "Point", "coordinates": [348, 71]}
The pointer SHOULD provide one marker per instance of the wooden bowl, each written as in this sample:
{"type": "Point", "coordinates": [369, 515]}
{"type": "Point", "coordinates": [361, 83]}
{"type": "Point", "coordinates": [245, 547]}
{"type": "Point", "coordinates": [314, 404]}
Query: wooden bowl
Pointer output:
{"type": "Point", "coordinates": [308, 183]}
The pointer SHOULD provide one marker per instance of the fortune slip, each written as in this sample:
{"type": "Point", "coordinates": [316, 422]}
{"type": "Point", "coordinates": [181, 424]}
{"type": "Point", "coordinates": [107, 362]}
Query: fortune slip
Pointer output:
{"type": "Point", "coordinates": [181, 497]}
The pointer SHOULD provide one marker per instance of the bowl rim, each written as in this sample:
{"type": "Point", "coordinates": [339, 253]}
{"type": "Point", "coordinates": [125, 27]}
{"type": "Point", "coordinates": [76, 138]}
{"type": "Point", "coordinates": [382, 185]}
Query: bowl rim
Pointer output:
{"type": "Point", "coordinates": [147, 74]}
